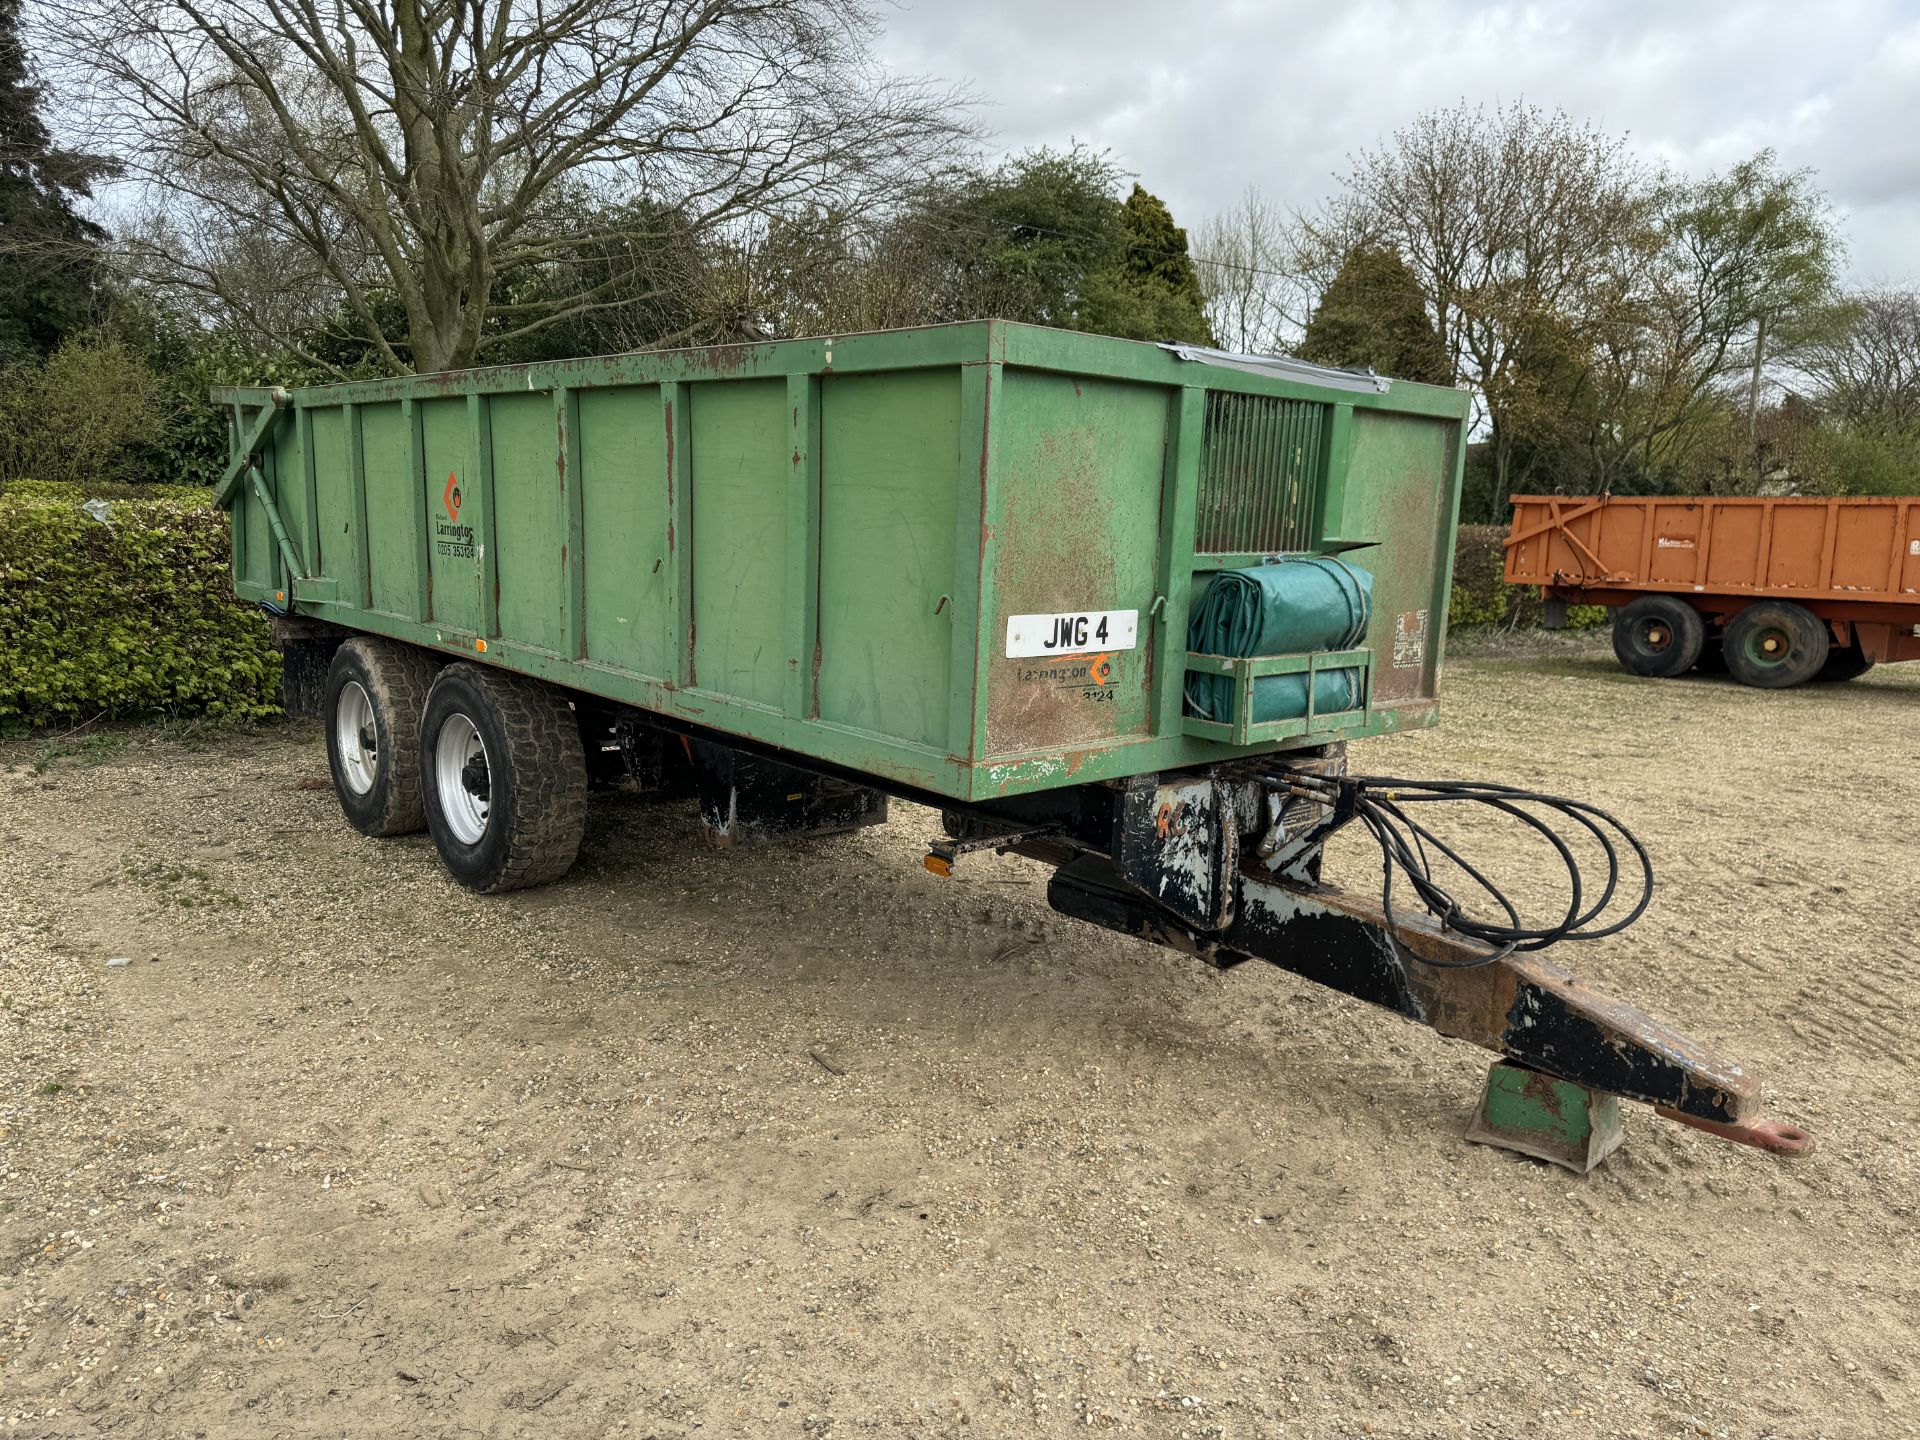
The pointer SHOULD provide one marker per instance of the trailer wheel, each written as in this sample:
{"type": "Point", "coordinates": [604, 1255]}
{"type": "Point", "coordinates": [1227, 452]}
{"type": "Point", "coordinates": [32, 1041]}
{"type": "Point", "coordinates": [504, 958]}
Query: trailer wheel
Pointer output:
{"type": "Point", "coordinates": [1844, 662]}
{"type": "Point", "coordinates": [1658, 636]}
{"type": "Point", "coordinates": [375, 693]}
{"type": "Point", "coordinates": [506, 779]}
{"type": "Point", "coordinates": [1774, 644]}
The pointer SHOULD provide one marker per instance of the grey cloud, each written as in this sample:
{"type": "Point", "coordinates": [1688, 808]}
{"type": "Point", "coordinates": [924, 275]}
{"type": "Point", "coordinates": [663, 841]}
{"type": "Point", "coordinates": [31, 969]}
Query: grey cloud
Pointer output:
{"type": "Point", "coordinates": [1203, 100]}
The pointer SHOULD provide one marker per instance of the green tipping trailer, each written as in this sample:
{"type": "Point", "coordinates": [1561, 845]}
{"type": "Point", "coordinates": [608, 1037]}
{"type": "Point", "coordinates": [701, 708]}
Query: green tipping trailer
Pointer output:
{"type": "Point", "coordinates": [822, 544]}
{"type": "Point", "coordinates": [954, 564]}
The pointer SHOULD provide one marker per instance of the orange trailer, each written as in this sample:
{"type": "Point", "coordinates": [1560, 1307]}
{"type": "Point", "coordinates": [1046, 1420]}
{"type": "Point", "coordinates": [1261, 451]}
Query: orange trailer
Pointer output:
{"type": "Point", "coordinates": [1777, 590]}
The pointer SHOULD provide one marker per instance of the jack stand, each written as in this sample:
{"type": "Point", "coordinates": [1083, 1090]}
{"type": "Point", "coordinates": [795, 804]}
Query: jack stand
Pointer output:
{"type": "Point", "coordinates": [1549, 1119]}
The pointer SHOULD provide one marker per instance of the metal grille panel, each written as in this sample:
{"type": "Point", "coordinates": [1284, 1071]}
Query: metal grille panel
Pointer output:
{"type": "Point", "coordinates": [1260, 464]}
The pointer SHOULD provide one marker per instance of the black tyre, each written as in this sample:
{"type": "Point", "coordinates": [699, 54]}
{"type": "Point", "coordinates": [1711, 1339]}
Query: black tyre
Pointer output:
{"type": "Point", "coordinates": [506, 779]}
{"type": "Point", "coordinates": [1773, 644]}
{"type": "Point", "coordinates": [1659, 636]}
{"type": "Point", "coordinates": [376, 691]}
{"type": "Point", "coordinates": [1844, 662]}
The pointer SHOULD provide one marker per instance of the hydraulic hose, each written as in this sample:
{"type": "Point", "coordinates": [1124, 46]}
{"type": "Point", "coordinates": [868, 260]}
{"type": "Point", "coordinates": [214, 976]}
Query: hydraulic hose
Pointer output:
{"type": "Point", "coordinates": [1408, 848]}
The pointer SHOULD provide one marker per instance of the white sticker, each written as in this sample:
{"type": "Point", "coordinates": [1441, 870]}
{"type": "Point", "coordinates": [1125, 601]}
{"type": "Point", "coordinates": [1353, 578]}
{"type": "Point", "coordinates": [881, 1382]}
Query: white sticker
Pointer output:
{"type": "Point", "coordinates": [1914, 548]}
{"type": "Point", "coordinates": [1410, 639]}
{"type": "Point", "coordinates": [1071, 632]}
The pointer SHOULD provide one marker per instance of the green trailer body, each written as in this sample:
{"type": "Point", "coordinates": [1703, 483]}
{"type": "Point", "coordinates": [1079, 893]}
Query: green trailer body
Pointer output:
{"type": "Point", "coordinates": [831, 546]}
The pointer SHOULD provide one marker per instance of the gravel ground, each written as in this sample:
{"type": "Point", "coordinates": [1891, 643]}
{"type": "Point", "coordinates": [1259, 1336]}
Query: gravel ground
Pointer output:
{"type": "Point", "coordinates": [810, 1143]}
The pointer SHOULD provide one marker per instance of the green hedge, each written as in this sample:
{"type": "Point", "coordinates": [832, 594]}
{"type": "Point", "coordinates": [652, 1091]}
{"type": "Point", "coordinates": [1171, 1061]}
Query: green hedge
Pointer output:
{"type": "Point", "coordinates": [133, 616]}
{"type": "Point", "coordinates": [193, 497]}
{"type": "Point", "coordinates": [1481, 595]}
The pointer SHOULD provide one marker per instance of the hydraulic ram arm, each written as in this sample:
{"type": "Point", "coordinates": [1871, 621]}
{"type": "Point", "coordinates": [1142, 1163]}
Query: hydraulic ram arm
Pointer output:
{"type": "Point", "coordinates": [266, 405]}
{"type": "Point", "coordinates": [1516, 1005]}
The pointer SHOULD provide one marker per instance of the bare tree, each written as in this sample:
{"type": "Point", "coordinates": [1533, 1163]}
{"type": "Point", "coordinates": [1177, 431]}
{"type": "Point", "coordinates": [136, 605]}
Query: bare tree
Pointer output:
{"type": "Point", "coordinates": [1256, 299]}
{"type": "Point", "coordinates": [1865, 371]}
{"type": "Point", "coordinates": [1517, 224]}
{"type": "Point", "coordinates": [816, 272]}
{"type": "Point", "coordinates": [404, 155]}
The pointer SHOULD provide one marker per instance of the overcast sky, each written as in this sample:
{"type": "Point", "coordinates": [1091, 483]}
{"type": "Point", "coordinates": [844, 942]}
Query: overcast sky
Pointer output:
{"type": "Point", "coordinates": [1204, 99]}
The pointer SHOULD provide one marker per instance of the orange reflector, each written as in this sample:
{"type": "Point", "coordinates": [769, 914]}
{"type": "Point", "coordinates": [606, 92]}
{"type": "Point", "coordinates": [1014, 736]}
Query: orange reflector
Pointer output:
{"type": "Point", "coordinates": [938, 866]}
{"type": "Point", "coordinates": [481, 646]}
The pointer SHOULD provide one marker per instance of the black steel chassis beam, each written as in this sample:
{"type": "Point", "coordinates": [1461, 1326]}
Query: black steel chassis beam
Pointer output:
{"type": "Point", "coordinates": [1519, 1006]}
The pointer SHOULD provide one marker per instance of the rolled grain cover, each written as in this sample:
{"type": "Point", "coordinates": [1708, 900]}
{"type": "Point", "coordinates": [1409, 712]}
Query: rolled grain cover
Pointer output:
{"type": "Point", "coordinates": [1288, 607]}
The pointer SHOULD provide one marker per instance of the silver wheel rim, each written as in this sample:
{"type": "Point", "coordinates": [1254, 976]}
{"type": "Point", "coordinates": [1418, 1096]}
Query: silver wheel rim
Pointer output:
{"type": "Point", "coordinates": [461, 778]}
{"type": "Point", "coordinates": [356, 737]}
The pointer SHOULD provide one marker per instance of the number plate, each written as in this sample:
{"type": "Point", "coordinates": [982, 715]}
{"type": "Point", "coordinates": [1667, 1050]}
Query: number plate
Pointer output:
{"type": "Point", "coordinates": [1076, 632]}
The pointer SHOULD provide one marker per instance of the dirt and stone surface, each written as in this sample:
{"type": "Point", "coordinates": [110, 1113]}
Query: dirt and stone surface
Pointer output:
{"type": "Point", "coordinates": [811, 1143]}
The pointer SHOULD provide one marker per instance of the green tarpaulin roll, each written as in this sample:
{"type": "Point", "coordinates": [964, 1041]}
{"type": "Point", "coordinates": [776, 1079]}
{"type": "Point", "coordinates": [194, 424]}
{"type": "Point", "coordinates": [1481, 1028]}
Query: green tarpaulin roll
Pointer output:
{"type": "Point", "coordinates": [1288, 607]}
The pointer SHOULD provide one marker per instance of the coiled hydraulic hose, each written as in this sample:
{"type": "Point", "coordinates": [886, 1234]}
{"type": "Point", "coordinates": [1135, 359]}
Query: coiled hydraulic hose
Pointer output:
{"type": "Point", "coordinates": [1407, 847]}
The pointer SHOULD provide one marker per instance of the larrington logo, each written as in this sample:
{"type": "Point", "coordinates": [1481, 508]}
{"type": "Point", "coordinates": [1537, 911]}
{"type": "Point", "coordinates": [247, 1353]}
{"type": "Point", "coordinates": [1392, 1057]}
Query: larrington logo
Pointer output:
{"type": "Point", "coordinates": [1091, 675]}
{"type": "Point", "coordinates": [455, 540]}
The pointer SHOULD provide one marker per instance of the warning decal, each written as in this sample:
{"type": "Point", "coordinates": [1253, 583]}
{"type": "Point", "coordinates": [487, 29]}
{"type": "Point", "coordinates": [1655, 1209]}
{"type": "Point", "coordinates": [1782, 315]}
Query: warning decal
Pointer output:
{"type": "Point", "coordinates": [1410, 640]}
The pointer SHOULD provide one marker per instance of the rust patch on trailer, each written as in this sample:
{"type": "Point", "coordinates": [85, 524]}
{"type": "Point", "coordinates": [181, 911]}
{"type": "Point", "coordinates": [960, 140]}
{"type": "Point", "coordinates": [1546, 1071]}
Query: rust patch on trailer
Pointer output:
{"type": "Point", "coordinates": [1777, 1137]}
{"type": "Point", "coordinates": [1551, 1021]}
{"type": "Point", "coordinates": [1404, 629]}
{"type": "Point", "coordinates": [1541, 1088]}
{"type": "Point", "coordinates": [727, 359]}
{"type": "Point", "coordinates": [1055, 555]}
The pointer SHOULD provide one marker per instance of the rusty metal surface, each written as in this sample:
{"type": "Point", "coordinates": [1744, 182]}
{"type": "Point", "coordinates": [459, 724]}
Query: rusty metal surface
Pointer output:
{"type": "Point", "coordinates": [1178, 842]}
{"type": "Point", "coordinates": [1534, 1011]}
{"type": "Point", "coordinates": [1063, 545]}
{"type": "Point", "coordinates": [1859, 551]}
{"type": "Point", "coordinates": [1519, 1006]}
{"type": "Point", "coordinates": [1409, 610]}
{"type": "Point", "coordinates": [1776, 1137]}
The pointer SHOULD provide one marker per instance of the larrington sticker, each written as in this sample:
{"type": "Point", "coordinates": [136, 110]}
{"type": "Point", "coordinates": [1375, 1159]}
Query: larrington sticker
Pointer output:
{"type": "Point", "coordinates": [454, 539]}
{"type": "Point", "coordinates": [1071, 632]}
{"type": "Point", "coordinates": [1091, 675]}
